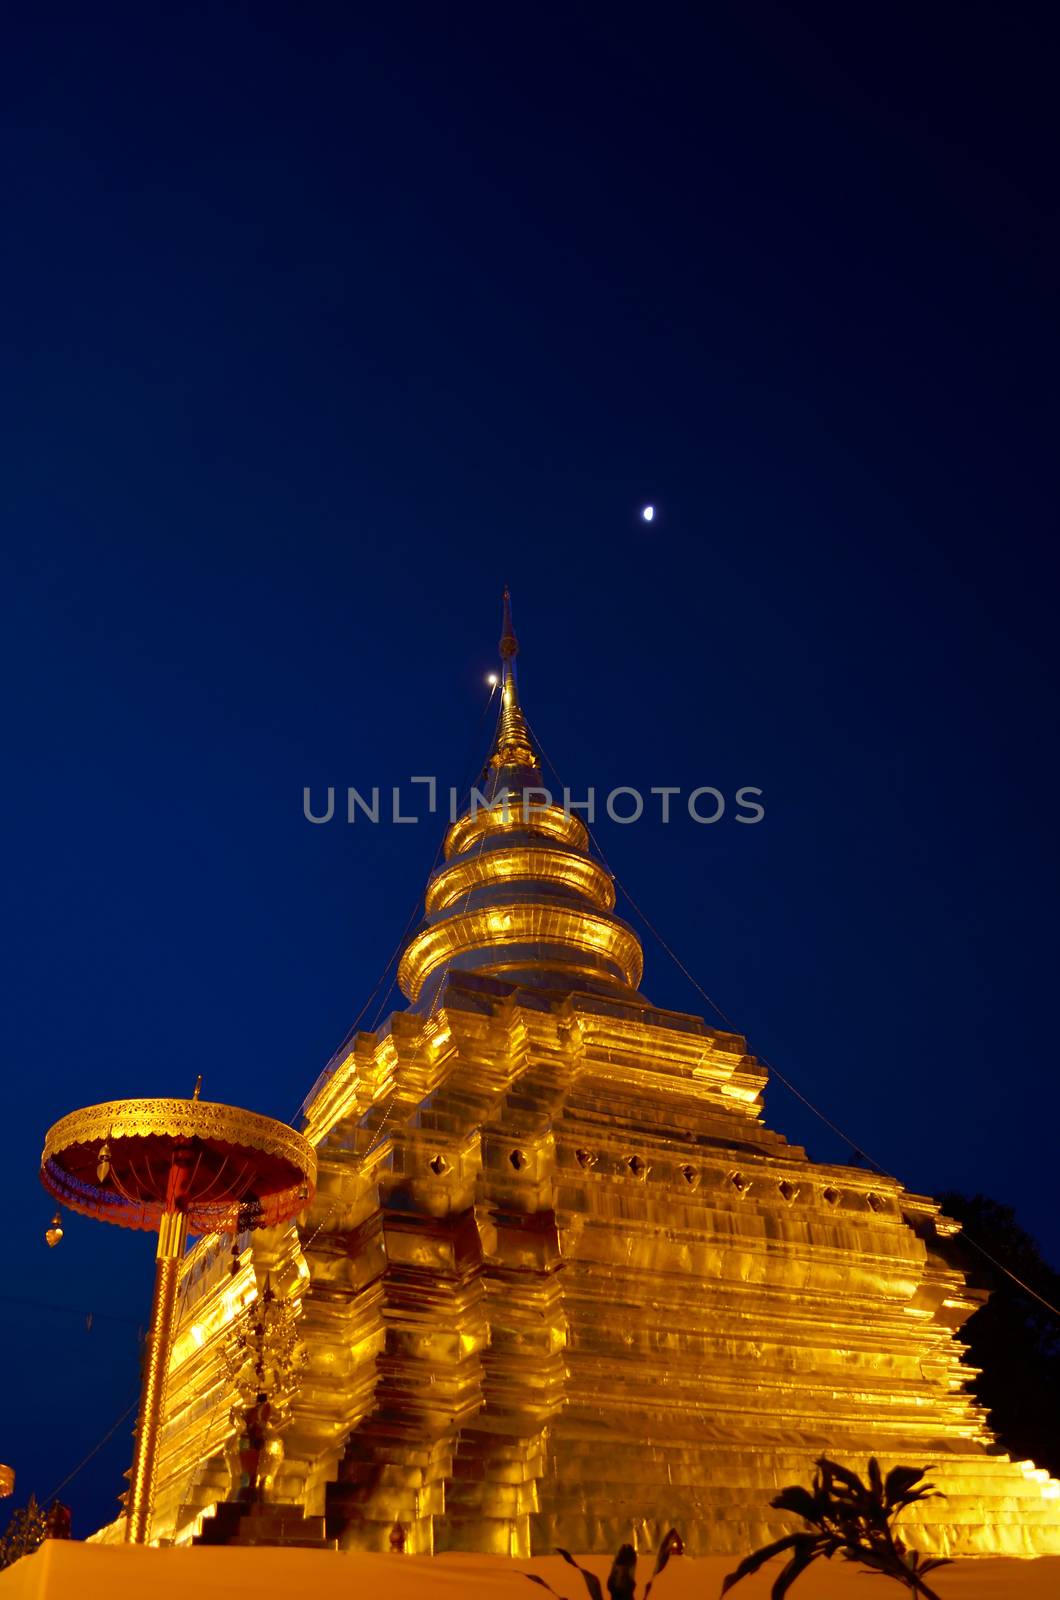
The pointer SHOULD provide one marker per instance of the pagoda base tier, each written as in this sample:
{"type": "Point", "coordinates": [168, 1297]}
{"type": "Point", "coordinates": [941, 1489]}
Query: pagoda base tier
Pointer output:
{"type": "Point", "coordinates": [560, 1285]}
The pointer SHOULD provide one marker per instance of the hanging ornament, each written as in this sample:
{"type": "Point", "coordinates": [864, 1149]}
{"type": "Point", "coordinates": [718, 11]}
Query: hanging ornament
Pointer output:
{"type": "Point", "coordinates": [55, 1232]}
{"type": "Point", "coordinates": [103, 1164]}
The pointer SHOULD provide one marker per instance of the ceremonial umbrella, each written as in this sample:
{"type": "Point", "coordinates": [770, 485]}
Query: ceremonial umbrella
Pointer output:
{"type": "Point", "coordinates": [175, 1167]}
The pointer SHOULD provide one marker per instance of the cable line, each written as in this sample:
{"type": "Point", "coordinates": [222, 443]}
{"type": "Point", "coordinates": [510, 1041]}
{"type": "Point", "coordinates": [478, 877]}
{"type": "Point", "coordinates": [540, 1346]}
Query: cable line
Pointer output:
{"type": "Point", "coordinates": [111, 1431]}
{"type": "Point", "coordinates": [70, 1311]}
{"type": "Point", "coordinates": [332, 1061]}
{"type": "Point", "coordinates": [775, 1071]}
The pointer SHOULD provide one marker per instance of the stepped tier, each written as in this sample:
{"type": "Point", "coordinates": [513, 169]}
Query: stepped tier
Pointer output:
{"type": "Point", "coordinates": [560, 1285]}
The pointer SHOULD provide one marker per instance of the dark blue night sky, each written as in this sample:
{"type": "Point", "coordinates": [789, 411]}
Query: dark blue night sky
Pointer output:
{"type": "Point", "coordinates": [322, 323]}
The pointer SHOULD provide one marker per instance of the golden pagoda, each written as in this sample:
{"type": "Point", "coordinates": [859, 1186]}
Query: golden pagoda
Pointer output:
{"type": "Point", "coordinates": [559, 1284]}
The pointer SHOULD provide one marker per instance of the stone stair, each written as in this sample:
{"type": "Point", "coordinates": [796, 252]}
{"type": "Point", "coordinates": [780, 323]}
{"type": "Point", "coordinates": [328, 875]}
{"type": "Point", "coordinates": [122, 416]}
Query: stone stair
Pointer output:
{"type": "Point", "coordinates": [246, 1522]}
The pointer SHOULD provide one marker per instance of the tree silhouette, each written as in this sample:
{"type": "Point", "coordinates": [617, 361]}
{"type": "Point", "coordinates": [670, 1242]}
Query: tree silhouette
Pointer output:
{"type": "Point", "coordinates": [851, 1518]}
{"type": "Point", "coordinates": [1014, 1339]}
{"type": "Point", "coordinates": [25, 1533]}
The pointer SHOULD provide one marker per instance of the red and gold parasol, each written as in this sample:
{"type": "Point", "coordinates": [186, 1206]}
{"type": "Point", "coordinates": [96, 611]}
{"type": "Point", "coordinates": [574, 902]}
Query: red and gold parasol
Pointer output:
{"type": "Point", "coordinates": [175, 1167]}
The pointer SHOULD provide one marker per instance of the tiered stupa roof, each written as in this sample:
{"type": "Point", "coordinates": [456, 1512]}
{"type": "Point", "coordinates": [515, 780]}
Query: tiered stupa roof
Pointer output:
{"type": "Point", "coordinates": [519, 892]}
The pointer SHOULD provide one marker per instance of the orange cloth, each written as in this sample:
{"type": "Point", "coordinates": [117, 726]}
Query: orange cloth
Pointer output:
{"type": "Point", "coordinates": [63, 1568]}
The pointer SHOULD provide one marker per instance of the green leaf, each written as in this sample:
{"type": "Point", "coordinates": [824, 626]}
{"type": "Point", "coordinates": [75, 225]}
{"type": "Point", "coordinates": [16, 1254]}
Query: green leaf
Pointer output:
{"type": "Point", "coordinates": [758, 1558]}
{"type": "Point", "coordinates": [920, 1587]}
{"type": "Point", "coordinates": [592, 1582]}
{"type": "Point", "coordinates": [799, 1500]}
{"type": "Point", "coordinates": [798, 1563]}
{"type": "Point", "coordinates": [899, 1481]}
{"type": "Point", "coordinates": [672, 1545]}
{"type": "Point", "coordinates": [532, 1577]}
{"type": "Point", "coordinates": [843, 1475]}
{"type": "Point", "coordinates": [622, 1579]}
{"type": "Point", "coordinates": [881, 1560]}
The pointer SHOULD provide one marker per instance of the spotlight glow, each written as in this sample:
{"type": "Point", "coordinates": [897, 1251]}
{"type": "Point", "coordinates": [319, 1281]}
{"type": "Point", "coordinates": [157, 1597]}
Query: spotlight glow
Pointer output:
{"type": "Point", "coordinates": [648, 514]}
{"type": "Point", "coordinates": [492, 680]}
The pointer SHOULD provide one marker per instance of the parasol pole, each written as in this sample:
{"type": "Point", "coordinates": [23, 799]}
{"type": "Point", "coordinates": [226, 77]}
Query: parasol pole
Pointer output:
{"type": "Point", "coordinates": [172, 1241]}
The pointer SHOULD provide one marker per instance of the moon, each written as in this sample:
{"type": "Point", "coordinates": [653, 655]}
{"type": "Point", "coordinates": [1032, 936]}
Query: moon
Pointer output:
{"type": "Point", "coordinates": [648, 514]}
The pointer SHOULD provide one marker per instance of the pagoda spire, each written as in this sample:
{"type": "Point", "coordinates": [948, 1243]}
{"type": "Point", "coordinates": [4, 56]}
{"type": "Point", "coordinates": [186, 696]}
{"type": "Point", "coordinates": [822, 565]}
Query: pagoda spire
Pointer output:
{"type": "Point", "coordinates": [512, 745]}
{"type": "Point", "coordinates": [519, 896]}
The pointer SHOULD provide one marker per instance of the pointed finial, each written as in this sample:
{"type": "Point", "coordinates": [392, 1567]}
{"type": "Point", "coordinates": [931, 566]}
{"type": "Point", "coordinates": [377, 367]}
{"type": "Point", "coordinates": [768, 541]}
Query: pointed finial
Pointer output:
{"type": "Point", "coordinates": [509, 643]}
{"type": "Point", "coordinates": [511, 744]}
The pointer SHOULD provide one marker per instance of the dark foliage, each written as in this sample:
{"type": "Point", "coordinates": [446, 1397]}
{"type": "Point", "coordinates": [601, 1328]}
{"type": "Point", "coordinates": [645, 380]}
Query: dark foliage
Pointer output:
{"type": "Point", "coordinates": [622, 1579]}
{"type": "Point", "coordinates": [1013, 1338]}
{"type": "Point", "coordinates": [851, 1519]}
{"type": "Point", "coordinates": [25, 1533]}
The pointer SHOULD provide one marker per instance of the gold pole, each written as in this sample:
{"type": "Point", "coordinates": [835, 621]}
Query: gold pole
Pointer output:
{"type": "Point", "coordinates": [172, 1239]}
